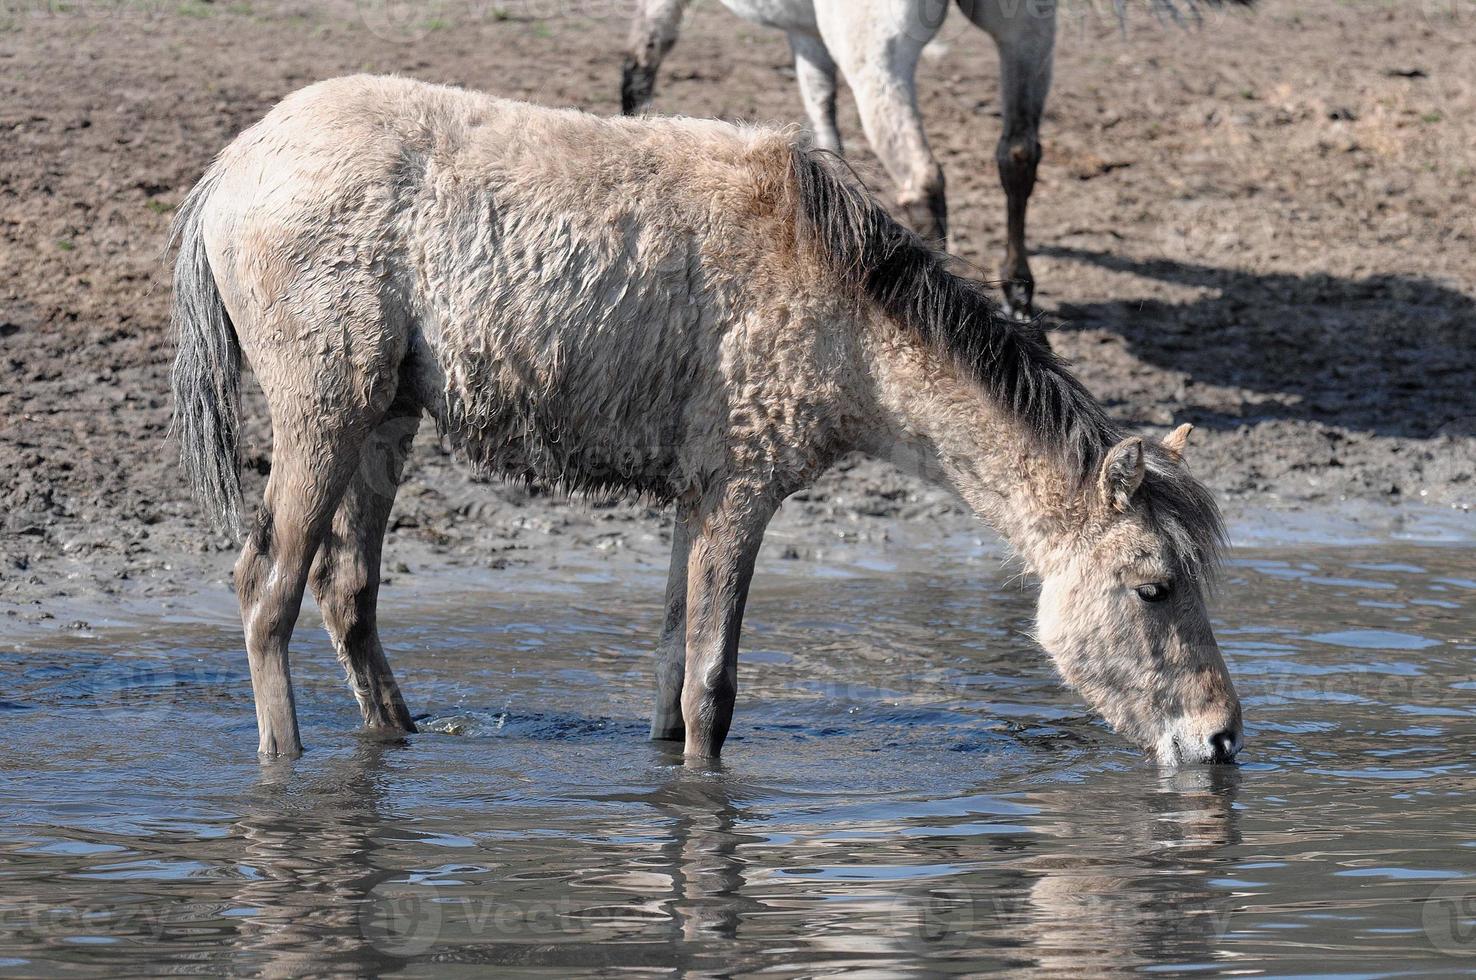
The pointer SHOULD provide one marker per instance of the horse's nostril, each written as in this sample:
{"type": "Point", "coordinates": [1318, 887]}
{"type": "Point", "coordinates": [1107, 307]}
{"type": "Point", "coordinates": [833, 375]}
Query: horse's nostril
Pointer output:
{"type": "Point", "coordinates": [1223, 744]}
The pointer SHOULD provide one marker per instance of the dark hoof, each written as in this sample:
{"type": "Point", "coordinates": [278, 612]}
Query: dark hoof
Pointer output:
{"type": "Point", "coordinates": [636, 87]}
{"type": "Point", "coordinates": [1017, 302]}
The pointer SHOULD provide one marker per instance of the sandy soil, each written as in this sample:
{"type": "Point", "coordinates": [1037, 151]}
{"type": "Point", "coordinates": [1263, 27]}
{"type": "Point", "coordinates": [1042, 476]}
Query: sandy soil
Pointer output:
{"type": "Point", "coordinates": [1264, 227]}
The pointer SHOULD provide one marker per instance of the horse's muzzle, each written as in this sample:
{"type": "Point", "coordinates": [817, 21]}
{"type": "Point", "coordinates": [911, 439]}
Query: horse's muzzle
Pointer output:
{"type": "Point", "coordinates": [1223, 746]}
{"type": "Point", "coordinates": [1184, 744]}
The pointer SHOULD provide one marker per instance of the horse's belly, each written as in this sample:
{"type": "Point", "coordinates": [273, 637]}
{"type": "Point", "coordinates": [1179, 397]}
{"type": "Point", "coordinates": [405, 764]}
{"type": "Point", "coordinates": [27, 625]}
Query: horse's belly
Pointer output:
{"type": "Point", "coordinates": [556, 450]}
{"type": "Point", "coordinates": [786, 15]}
{"type": "Point", "coordinates": [630, 407]}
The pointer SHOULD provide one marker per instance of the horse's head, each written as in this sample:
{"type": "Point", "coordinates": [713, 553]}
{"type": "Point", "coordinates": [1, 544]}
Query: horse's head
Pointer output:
{"type": "Point", "coordinates": [1122, 608]}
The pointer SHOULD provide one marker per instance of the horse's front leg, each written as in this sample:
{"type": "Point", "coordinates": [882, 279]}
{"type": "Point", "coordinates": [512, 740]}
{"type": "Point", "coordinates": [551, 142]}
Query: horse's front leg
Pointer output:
{"type": "Point", "coordinates": [671, 650]}
{"type": "Point", "coordinates": [725, 537]}
{"type": "Point", "coordinates": [652, 34]}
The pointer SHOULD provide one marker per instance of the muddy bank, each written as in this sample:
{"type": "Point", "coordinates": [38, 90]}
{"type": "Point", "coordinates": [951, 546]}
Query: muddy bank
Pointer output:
{"type": "Point", "coordinates": [1263, 228]}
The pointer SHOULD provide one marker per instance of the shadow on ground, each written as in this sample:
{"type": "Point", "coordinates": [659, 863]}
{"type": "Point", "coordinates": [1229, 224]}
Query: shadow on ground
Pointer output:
{"type": "Point", "coordinates": [1390, 355]}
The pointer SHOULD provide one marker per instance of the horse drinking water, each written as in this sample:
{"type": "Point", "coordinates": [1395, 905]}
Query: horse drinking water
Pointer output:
{"type": "Point", "coordinates": [702, 313]}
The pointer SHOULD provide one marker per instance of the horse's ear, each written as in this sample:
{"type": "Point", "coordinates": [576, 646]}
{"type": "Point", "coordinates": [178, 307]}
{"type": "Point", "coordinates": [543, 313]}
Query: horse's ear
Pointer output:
{"type": "Point", "coordinates": [1178, 440]}
{"type": "Point", "coordinates": [1122, 473]}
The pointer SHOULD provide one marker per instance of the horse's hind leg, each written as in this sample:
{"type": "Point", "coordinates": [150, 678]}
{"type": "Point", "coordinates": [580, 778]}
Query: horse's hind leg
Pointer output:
{"type": "Point", "coordinates": [879, 57]}
{"type": "Point", "coordinates": [652, 34]}
{"type": "Point", "coordinates": [323, 406]}
{"type": "Point", "coordinates": [1026, 40]}
{"type": "Point", "coordinates": [671, 650]}
{"type": "Point", "coordinates": [309, 474]}
{"type": "Point", "coordinates": [345, 576]}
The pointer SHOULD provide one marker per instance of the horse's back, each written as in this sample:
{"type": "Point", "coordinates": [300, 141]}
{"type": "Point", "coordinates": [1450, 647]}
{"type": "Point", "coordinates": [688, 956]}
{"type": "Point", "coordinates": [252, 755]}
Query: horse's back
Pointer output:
{"type": "Point", "coordinates": [420, 183]}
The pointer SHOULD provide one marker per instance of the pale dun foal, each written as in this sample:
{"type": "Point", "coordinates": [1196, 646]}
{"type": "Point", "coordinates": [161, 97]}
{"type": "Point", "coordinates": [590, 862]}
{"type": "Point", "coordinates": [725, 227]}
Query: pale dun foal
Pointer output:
{"type": "Point", "coordinates": [697, 312]}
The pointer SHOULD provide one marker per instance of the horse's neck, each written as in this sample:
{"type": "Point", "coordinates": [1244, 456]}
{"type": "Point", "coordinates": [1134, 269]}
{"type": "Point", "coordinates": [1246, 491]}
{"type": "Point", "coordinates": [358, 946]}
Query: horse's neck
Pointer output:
{"type": "Point", "coordinates": [939, 425]}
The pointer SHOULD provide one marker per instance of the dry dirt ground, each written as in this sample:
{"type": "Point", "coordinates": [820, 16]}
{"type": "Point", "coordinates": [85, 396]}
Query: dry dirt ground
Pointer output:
{"type": "Point", "coordinates": [1264, 226]}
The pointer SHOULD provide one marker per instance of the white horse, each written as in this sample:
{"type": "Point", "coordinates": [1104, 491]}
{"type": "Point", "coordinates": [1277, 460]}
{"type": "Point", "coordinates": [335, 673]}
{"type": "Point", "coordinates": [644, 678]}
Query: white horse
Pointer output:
{"type": "Point", "coordinates": [876, 45]}
{"type": "Point", "coordinates": [696, 312]}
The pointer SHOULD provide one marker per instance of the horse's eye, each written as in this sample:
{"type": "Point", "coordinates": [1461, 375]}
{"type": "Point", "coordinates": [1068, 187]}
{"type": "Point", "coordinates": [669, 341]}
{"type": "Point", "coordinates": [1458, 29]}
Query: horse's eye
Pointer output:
{"type": "Point", "coordinates": [1154, 591]}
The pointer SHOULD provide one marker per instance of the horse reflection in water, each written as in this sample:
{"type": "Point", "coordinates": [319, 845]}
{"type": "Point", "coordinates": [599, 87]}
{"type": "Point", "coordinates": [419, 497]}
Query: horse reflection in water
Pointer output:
{"type": "Point", "coordinates": [310, 877]}
{"type": "Point", "coordinates": [726, 882]}
{"type": "Point", "coordinates": [706, 873]}
{"type": "Point", "coordinates": [1141, 882]}
{"type": "Point", "coordinates": [1140, 885]}
{"type": "Point", "coordinates": [1091, 895]}
{"type": "Point", "coordinates": [725, 873]}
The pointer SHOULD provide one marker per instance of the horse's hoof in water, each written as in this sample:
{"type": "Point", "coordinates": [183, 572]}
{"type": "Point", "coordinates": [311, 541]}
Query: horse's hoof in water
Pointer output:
{"type": "Point", "coordinates": [388, 733]}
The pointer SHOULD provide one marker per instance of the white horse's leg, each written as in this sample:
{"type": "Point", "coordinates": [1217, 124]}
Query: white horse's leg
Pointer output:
{"type": "Point", "coordinates": [671, 650]}
{"type": "Point", "coordinates": [345, 577]}
{"type": "Point", "coordinates": [878, 46]}
{"type": "Point", "coordinates": [1026, 37]}
{"type": "Point", "coordinates": [815, 71]}
{"type": "Point", "coordinates": [652, 34]}
{"type": "Point", "coordinates": [725, 539]}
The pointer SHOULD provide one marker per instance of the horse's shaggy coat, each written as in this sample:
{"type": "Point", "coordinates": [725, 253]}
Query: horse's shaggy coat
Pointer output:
{"type": "Point", "coordinates": [703, 314]}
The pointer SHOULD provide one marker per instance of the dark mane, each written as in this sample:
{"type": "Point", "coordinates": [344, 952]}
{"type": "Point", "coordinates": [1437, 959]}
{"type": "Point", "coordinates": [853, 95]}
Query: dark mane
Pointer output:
{"type": "Point", "coordinates": [1012, 363]}
{"type": "Point", "coordinates": [909, 281]}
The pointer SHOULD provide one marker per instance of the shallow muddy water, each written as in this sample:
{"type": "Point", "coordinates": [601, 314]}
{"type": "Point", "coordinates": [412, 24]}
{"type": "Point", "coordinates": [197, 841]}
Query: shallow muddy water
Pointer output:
{"type": "Point", "coordinates": [907, 788]}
